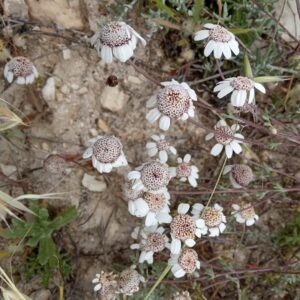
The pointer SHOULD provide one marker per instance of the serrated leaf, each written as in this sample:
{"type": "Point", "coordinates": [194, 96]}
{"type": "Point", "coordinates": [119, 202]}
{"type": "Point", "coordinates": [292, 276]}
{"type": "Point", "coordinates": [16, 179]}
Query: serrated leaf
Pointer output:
{"type": "Point", "coordinates": [47, 249]}
{"type": "Point", "coordinates": [64, 218]}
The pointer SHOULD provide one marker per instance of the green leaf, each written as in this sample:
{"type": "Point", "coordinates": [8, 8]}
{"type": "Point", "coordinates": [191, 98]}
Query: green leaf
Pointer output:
{"type": "Point", "coordinates": [33, 242]}
{"type": "Point", "coordinates": [247, 67]}
{"type": "Point", "coordinates": [64, 218]}
{"type": "Point", "coordinates": [263, 79]}
{"type": "Point", "coordinates": [197, 8]}
{"type": "Point", "coordinates": [47, 250]}
{"type": "Point", "coordinates": [166, 9]}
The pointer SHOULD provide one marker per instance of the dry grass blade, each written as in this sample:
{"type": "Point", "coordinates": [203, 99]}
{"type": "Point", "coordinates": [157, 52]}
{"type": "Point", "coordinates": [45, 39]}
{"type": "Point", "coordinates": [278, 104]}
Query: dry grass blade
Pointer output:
{"type": "Point", "coordinates": [12, 292]}
{"type": "Point", "coordinates": [8, 119]}
{"type": "Point", "coordinates": [8, 203]}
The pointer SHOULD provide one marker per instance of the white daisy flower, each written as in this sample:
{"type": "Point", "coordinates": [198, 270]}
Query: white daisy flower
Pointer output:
{"type": "Point", "coordinates": [150, 177]}
{"type": "Point", "coordinates": [184, 228]}
{"type": "Point", "coordinates": [106, 285]}
{"type": "Point", "coordinates": [106, 153]}
{"type": "Point", "coordinates": [116, 39]}
{"type": "Point", "coordinates": [184, 263]}
{"type": "Point", "coordinates": [220, 41]}
{"type": "Point", "coordinates": [242, 89]}
{"type": "Point", "coordinates": [129, 281]}
{"type": "Point", "coordinates": [155, 207]}
{"type": "Point", "coordinates": [152, 240]}
{"type": "Point", "coordinates": [224, 135]}
{"type": "Point", "coordinates": [245, 214]}
{"type": "Point", "coordinates": [174, 101]}
{"type": "Point", "coordinates": [160, 146]}
{"type": "Point", "coordinates": [210, 219]}
{"type": "Point", "coordinates": [22, 69]}
{"type": "Point", "coordinates": [184, 171]}
{"type": "Point", "coordinates": [240, 175]}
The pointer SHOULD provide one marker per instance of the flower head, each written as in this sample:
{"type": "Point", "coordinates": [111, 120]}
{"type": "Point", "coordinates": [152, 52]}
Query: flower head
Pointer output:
{"type": "Point", "coordinates": [105, 285]}
{"type": "Point", "coordinates": [174, 101]}
{"type": "Point", "coordinates": [160, 146]}
{"type": "Point", "coordinates": [220, 41]}
{"type": "Point", "coordinates": [184, 228]}
{"type": "Point", "coordinates": [185, 171]}
{"type": "Point", "coordinates": [22, 69]}
{"type": "Point", "coordinates": [129, 281]}
{"type": "Point", "coordinates": [242, 89]}
{"type": "Point", "coordinates": [186, 262]}
{"type": "Point", "coordinates": [106, 153]}
{"type": "Point", "coordinates": [55, 164]}
{"type": "Point", "coordinates": [150, 177]}
{"type": "Point", "coordinates": [225, 137]}
{"type": "Point", "coordinates": [245, 214]}
{"type": "Point", "coordinates": [152, 240]}
{"type": "Point", "coordinates": [211, 219]}
{"type": "Point", "coordinates": [240, 175]}
{"type": "Point", "coordinates": [153, 206]}
{"type": "Point", "coordinates": [118, 39]}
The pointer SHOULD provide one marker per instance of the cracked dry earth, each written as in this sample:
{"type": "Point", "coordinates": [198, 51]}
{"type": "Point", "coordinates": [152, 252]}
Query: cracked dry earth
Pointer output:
{"type": "Point", "coordinates": [70, 104]}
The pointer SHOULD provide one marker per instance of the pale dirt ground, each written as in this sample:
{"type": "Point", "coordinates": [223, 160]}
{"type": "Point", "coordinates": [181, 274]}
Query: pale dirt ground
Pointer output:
{"type": "Point", "coordinates": [100, 235]}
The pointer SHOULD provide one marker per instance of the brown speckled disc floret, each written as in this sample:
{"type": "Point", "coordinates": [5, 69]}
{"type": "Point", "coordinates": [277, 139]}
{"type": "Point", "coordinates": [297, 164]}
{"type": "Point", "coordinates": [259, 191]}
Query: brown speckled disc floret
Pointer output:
{"type": "Point", "coordinates": [242, 83]}
{"type": "Point", "coordinates": [188, 260]}
{"type": "Point", "coordinates": [173, 101]}
{"type": "Point", "coordinates": [155, 201]}
{"type": "Point", "coordinates": [183, 170]}
{"type": "Point", "coordinates": [155, 175]}
{"type": "Point", "coordinates": [107, 149]}
{"type": "Point", "coordinates": [155, 242]}
{"type": "Point", "coordinates": [20, 66]}
{"type": "Point", "coordinates": [183, 227]}
{"type": "Point", "coordinates": [212, 217]}
{"type": "Point", "coordinates": [242, 174]}
{"type": "Point", "coordinates": [114, 34]}
{"type": "Point", "coordinates": [223, 135]}
{"type": "Point", "coordinates": [55, 164]}
{"type": "Point", "coordinates": [129, 281]}
{"type": "Point", "coordinates": [247, 211]}
{"type": "Point", "coordinates": [219, 34]}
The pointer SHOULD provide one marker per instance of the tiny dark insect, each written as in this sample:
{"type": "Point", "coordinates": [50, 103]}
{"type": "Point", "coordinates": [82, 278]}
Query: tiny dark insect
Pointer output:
{"type": "Point", "coordinates": [112, 80]}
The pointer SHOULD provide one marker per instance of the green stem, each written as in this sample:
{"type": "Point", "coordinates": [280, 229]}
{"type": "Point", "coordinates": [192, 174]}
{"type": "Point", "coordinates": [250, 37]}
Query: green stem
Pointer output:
{"type": "Point", "coordinates": [158, 281]}
{"type": "Point", "coordinates": [216, 185]}
{"type": "Point", "coordinates": [61, 292]}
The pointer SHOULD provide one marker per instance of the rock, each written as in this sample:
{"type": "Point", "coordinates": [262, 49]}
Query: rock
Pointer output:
{"type": "Point", "coordinates": [93, 132]}
{"type": "Point", "coordinates": [9, 170]}
{"type": "Point", "coordinates": [92, 184]}
{"type": "Point", "coordinates": [66, 54]}
{"type": "Point", "coordinates": [288, 19]}
{"type": "Point", "coordinates": [63, 13]}
{"type": "Point", "coordinates": [65, 89]}
{"type": "Point", "coordinates": [102, 125]}
{"type": "Point", "coordinates": [16, 9]}
{"type": "Point", "coordinates": [113, 99]}
{"type": "Point", "coordinates": [82, 91]}
{"type": "Point", "coordinates": [134, 80]}
{"type": "Point", "coordinates": [48, 90]}
{"type": "Point", "coordinates": [41, 295]}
